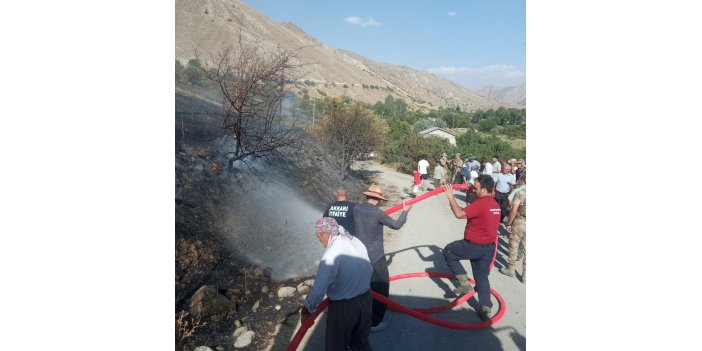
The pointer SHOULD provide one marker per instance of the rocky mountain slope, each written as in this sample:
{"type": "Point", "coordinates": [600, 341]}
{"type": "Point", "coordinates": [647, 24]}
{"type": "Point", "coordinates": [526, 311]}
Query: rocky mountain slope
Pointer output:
{"type": "Point", "coordinates": [208, 26]}
{"type": "Point", "coordinates": [514, 95]}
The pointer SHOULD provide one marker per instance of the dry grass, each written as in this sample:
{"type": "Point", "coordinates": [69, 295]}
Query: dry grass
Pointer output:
{"type": "Point", "coordinates": [186, 327]}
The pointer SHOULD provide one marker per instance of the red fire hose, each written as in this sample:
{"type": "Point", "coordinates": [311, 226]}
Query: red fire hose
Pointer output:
{"type": "Point", "coordinates": [419, 313]}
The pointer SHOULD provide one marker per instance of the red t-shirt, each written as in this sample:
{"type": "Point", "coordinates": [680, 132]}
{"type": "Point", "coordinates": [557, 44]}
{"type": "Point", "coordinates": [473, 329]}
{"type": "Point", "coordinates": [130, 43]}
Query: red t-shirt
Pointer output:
{"type": "Point", "coordinates": [483, 218]}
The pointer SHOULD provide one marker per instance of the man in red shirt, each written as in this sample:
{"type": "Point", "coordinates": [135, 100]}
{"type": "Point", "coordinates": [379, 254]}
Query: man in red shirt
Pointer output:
{"type": "Point", "coordinates": [478, 244]}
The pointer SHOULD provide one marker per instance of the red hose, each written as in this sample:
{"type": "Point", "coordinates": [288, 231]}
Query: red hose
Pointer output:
{"type": "Point", "coordinates": [425, 196]}
{"type": "Point", "coordinates": [419, 313]}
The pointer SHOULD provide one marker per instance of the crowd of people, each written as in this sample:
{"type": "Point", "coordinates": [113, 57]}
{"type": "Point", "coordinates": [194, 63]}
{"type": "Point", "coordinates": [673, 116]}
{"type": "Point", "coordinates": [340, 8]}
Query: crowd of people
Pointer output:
{"type": "Point", "coordinates": [354, 261]}
{"type": "Point", "coordinates": [464, 170]}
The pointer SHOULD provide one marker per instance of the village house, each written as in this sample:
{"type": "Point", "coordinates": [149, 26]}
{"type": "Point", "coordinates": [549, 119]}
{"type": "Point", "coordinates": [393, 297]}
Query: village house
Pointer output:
{"type": "Point", "coordinates": [441, 133]}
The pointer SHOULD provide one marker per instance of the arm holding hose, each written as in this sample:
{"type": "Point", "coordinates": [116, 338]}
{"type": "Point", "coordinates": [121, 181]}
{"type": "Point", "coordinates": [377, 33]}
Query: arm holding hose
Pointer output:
{"type": "Point", "coordinates": [455, 208]}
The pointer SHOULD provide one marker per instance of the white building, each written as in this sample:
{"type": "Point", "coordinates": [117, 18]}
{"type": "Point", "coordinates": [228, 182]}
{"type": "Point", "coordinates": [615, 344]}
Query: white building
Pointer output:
{"type": "Point", "coordinates": [441, 133]}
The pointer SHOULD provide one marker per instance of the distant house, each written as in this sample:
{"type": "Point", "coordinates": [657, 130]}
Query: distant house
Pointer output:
{"type": "Point", "coordinates": [441, 133]}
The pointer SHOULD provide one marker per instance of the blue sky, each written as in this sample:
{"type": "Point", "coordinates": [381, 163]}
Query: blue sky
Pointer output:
{"type": "Point", "coordinates": [475, 43]}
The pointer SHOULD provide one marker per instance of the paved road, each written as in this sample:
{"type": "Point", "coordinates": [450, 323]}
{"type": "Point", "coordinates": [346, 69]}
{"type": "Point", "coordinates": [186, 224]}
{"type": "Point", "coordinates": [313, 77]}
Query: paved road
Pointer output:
{"type": "Point", "coordinates": [417, 248]}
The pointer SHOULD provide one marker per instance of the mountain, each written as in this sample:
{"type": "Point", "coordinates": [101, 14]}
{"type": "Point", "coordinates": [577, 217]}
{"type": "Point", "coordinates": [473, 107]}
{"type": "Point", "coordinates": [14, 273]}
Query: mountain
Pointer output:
{"type": "Point", "coordinates": [208, 26]}
{"type": "Point", "coordinates": [514, 95]}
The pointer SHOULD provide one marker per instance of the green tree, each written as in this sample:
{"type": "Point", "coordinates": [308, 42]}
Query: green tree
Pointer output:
{"type": "Point", "coordinates": [487, 146]}
{"type": "Point", "coordinates": [195, 73]}
{"type": "Point", "coordinates": [423, 124]}
{"type": "Point", "coordinates": [349, 131]}
{"type": "Point", "coordinates": [487, 125]}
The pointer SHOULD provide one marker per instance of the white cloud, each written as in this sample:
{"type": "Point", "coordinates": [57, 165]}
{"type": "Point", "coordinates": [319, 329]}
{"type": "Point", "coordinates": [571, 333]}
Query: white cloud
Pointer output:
{"type": "Point", "coordinates": [359, 21]}
{"type": "Point", "coordinates": [451, 13]}
{"type": "Point", "coordinates": [496, 75]}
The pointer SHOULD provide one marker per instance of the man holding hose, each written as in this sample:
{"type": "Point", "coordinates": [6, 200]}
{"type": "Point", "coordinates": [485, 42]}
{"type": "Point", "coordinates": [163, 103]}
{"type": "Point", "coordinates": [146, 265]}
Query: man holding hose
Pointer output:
{"type": "Point", "coordinates": [478, 243]}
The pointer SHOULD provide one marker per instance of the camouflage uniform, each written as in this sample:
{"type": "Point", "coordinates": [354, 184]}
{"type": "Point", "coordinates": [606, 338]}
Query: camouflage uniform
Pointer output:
{"type": "Point", "coordinates": [518, 230]}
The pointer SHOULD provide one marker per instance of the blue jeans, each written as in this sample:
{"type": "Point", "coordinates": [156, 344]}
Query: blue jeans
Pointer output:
{"type": "Point", "coordinates": [480, 256]}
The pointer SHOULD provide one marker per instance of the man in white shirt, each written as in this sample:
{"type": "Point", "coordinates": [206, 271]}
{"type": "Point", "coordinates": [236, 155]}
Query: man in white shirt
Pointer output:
{"type": "Point", "coordinates": [488, 168]}
{"type": "Point", "coordinates": [344, 275]}
{"type": "Point", "coordinates": [423, 168]}
{"type": "Point", "coordinates": [504, 183]}
{"type": "Point", "coordinates": [496, 167]}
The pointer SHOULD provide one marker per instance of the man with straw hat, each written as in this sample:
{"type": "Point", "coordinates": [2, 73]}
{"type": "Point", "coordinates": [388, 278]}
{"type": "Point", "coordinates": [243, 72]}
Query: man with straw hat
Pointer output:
{"type": "Point", "coordinates": [369, 221]}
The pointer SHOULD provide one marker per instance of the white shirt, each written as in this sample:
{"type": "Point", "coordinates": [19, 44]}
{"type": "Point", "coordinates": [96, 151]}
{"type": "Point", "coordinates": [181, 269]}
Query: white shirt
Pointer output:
{"type": "Point", "coordinates": [496, 167]}
{"type": "Point", "coordinates": [343, 273]}
{"type": "Point", "coordinates": [488, 168]}
{"type": "Point", "coordinates": [473, 177]}
{"type": "Point", "coordinates": [423, 165]}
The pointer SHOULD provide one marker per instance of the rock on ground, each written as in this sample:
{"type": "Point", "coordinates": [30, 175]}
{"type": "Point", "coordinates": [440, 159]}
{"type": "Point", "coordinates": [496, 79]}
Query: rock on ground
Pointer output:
{"type": "Point", "coordinates": [286, 291]}
{"type": "Point", "coordinates": [239, 331]}
{"type": "Point", "coordinates": [302, 288]}
{"type": "Point", "coordinates": [244, 339]}
{"type": "Point", "coordinates": [208, 303]}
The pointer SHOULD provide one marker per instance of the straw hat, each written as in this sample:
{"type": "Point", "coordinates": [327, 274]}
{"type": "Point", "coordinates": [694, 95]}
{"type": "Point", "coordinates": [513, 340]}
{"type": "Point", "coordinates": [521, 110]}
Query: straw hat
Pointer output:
{"type": "Point", "coordinates": [374, 191]}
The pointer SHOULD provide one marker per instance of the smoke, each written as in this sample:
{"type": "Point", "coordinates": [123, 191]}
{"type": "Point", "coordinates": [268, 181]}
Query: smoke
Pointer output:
{"type": "Point", "coordinates": [270, 225]}
{"type": "Point", "coordinates": [259, 207]}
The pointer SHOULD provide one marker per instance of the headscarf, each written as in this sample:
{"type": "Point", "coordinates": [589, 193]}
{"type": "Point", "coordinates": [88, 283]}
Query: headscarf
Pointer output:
{"type": "Point", "coordinates": [328, 224]}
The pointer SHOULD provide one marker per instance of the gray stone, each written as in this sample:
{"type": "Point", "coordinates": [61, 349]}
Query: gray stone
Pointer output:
{"type": "Point", "coordinates": [239, 331]}
{"type": "Point", "coordinates": [208, 304]}
{"type": "Point", "coordinates": [255, 306]}
{"type": "Point", "coordinates": [202, 348]}
{"type": "Point", "coordinates": [265, 289]}
{"type": "Point", "coordinates": [302, 288]}
{"type": "Point", "coordinates": [244, 339]}
{"type": "Point", "coordinates": [309, 282]}
{"type": "Point", "coordinates": [286, 291]}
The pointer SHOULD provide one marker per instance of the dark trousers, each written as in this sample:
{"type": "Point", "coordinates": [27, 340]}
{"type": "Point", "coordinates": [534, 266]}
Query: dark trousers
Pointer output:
{"type": "Point", "coordinates": [480, 256]}
{"type": "Point", "coordinates": [380, 283]}
{"type": "Point", "coordinates": [348, 323]}
{"type": "Point", "coordinates": [501, 199]}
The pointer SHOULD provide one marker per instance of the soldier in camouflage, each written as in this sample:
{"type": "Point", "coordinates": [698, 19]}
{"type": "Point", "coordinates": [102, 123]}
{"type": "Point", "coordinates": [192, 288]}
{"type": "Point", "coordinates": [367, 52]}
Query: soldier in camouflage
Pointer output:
{"type": "Point", "coordinates": [516, 226]}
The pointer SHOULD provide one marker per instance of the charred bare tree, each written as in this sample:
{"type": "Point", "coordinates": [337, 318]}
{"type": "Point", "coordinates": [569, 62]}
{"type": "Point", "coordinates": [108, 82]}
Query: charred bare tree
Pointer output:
{"type": "Point", "coordinates": [253, 82]}
{"type": "Point", "coordinates": [349, 132]}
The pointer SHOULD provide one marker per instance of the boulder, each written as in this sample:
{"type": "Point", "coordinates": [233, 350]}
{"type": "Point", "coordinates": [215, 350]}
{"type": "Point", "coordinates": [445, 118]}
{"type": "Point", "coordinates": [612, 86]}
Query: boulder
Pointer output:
{"type": "Point", "coordinates": [244, 339]}
{"type": "Point", "coordinates": [208, 304]}
{"type": "Point", "coordinates": [239, 331]}
{"type": "Point", "coordinates": [303, 289]}
{"type": "Point", "coordinates": [286, 291]}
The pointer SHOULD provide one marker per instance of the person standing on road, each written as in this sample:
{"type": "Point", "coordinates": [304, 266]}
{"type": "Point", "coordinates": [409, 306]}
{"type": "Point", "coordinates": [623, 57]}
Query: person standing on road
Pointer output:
{"type": "Point", "coordinates": [478, 243]}
{"type": "Point", "coordinates": [516, 226]}
{"type": "Point", "coordinates": [423, 168]}
{"type": "Point", "coordinates": [520, 168]}
{"type": "Point", "coordinates": [457, 164]}
{"type": "Point", "coordinates": [344, 275]}
{"type": "Point", "coordinates": [342, 209]}
{"type": "Point", "coordinates": [488, 168]}
{"type": "Point", "coordinates": [439, 175]}
{"type": "Point", "coordinates": [496, 167]}
{"type": "Point", "coordinates": [503, 185]}
{"type": "Point", "coordinates": [369, 221]}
